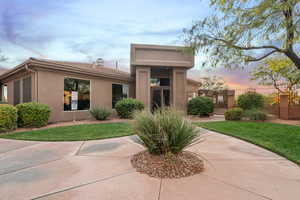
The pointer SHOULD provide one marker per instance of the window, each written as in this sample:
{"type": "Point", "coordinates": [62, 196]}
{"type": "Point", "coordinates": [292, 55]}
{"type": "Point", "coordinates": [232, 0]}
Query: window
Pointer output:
{"type": "Point", "coordinates": [164, 82]}
{"type": "Point", "coordinates": [26, 84]}
{"type": "Point", "coordinates": [220, 99]}
{"type": "Point", "coordinates": [76, 94]}
{"type": "Point", "coordinates": [160, 82]}
{"type": "Point", "coordinates": [22, 91]}
{"type": "Point", "coordinates": [17, 92]}
{"type": "Point", "coordinates": [119, 91]}
{"type": "Point", "coordinates": [4, 93]}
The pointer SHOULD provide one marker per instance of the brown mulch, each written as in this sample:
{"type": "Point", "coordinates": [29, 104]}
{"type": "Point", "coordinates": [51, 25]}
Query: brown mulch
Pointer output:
{"type": "Point", "coordinates": [168, 166]}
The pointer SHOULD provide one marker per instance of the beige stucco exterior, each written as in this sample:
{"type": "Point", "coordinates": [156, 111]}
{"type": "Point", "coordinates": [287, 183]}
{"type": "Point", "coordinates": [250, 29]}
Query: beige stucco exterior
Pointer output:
{"type": "Point", "coordinates": [47, 80]}
{"type": "Point", "coordinates": [100, 94]}
{"type": "Point", "coordinates": [169, 60]}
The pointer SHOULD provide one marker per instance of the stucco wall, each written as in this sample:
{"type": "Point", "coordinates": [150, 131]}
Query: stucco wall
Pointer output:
{"type": "Point", "coordinates": [179, 87]}
{"type": "Point", "coordinates": [158, 55]}
{"type": "Point", "coordinates": [143, 85]}
{"type": "Point", "coordinates": [51, 92]}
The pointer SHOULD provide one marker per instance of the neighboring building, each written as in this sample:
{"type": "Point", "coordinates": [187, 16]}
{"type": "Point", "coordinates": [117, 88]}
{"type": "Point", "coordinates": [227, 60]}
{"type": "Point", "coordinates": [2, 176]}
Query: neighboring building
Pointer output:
{"type": "Point", "coordinates": [221, 98]}
{"type": "Point", "coordinates": [158, 78]}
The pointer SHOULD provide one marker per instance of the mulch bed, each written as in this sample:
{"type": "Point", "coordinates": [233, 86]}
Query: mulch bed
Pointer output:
{"type": "Point", "coordinates": [168, 166]}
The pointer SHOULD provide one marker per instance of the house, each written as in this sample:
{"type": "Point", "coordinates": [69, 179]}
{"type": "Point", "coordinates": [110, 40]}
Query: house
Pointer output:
{"type": "Point", "coordinates": [158, 78]}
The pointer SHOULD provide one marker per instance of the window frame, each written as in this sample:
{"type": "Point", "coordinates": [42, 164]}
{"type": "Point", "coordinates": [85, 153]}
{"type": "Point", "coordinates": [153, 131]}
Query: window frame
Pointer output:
{"type": "Point", "coordinates": [63, 100]}
{"type": "Point", "coordinates": [116, 83]}
{"type": "Point", "coordinates": [3, 96]}
{"type": "Point", "coordinates": [21, 89]}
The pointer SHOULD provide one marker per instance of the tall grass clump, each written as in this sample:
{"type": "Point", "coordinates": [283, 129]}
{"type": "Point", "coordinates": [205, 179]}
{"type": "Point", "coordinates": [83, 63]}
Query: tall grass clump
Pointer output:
{"type": "Point", "coordinates": [164, 131]}
{"type": "Point", "coordinates": [100, 113]}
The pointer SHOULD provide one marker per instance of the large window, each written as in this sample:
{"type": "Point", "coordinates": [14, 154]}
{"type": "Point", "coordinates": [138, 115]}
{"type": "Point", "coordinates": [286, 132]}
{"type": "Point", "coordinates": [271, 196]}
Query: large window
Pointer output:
{"type": "Point", "coordinates": [76, 94]}
{"type": "Point", "coordinates": [22, 90]}
{"type": "Point", "coordinates": [119, 91]}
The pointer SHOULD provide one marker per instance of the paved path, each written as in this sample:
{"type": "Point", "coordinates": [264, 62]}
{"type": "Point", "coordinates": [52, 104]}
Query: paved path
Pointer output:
{"type": "Point", "coordinates": [235, 170]}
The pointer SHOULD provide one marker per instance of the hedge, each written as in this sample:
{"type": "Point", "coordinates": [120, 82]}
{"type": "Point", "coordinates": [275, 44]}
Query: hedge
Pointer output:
{"type": "Point", "coordinates": [8, 117]}
{"type": "Point", "coordinates": [250, 100]}
{"type": "Point", "coordinates": [126, 107]}
{"type": "Point", "coordinates": [201, 106]}
{"type": "Point", "coordinates": [33, 114]}
{"type": "Point", "coordinates": [234, 114]}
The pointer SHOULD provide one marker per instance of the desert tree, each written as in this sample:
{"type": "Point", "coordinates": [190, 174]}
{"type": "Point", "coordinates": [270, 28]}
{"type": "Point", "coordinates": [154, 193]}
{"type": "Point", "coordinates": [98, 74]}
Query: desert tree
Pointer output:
{"type": "Point", "coordinates": [214, 83]}
{"type": "Point", "coordinates": [244, 31]}
{"type": "Point", "coordinates": [280, 73]}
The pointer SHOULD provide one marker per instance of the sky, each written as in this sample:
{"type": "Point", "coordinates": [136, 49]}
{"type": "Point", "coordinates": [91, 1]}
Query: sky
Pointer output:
{"type": "Point", "coordinates": [84, 30]}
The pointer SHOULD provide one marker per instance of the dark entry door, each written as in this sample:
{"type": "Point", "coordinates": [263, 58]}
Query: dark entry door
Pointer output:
{"type": "Point", "coordinates": [160, 97]}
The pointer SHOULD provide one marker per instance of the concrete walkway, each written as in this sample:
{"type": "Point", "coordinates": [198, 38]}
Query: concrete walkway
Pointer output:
{"type": "Point", "coordinates": [235, 170]}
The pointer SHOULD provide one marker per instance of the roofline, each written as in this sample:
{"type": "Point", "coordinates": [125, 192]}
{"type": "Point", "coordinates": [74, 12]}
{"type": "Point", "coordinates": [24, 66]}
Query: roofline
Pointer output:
{"type": "Point", "coordinates": [14, 70]}
{"type": "Point", "coordinates": [44, 64]}
{"type": "Point", "coordinates": [156, 46]}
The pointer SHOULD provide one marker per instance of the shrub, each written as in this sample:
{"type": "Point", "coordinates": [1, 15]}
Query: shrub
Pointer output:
{"type": "Point", "coordinates": [234, 114]}
{"type": "Point", "coordinates": [100, 113]}
{"type": "Point", "coordinates": [126, 107]}
{"type": "Point", "coordinates": [8, 117]}
{"type": "Point", "coordinates": [250, 100]}
{"type": "Point", "coordinates": [33, 114]}
{"type": "Point", "coordinates": [201, 106]}
{"type": "Point", "coordinates": [164, 131]}
{"type": "Point", "coordinates": [255, 114]}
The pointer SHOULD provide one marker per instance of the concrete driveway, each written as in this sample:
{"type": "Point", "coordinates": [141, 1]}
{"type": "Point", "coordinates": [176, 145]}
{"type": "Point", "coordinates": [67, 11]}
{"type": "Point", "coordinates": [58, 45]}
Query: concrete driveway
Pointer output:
{"type": "Point", "coordinates": [235, 170]}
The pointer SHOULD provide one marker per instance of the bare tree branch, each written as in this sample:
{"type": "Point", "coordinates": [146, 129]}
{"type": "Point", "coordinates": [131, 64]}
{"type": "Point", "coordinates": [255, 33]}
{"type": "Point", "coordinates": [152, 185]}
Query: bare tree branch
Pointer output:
{"type": "Point", "coordinates": [248, 48]}
{"type": "Point", "coordinates": [262, 57]}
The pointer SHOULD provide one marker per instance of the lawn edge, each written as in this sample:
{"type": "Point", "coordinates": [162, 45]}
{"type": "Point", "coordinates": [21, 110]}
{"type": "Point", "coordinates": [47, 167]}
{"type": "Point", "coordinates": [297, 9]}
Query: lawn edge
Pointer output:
{"type": "Point", "coordinates": [67, 140]}
{"type": "Point", "coordinates": [251, 142]}
{"type": "Point", "coordinates": [7, 134]}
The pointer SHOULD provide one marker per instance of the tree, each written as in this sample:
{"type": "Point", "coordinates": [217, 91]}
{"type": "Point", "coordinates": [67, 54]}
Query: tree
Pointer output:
{"type": "Point", "coordinates": [247, 31]}
{"type": "Point", "coordinates": [281, 73]}
{"type": "Point", "coordinates": [212, 83]}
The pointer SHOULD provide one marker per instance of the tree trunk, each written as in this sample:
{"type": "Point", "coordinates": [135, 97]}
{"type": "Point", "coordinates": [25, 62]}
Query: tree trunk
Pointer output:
{"type": "Point", "coordinates": [294, 58]}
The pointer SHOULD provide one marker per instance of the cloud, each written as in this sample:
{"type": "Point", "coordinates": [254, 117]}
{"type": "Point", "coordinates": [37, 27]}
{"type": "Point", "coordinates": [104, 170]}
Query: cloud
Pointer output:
{"type": "Point", "coordinates": [84, 30]}
{"type": "Point", "coordinates": [15, 22]}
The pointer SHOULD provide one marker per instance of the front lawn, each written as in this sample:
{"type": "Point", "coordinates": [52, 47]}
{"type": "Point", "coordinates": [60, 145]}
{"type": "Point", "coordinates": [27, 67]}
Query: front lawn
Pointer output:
{"type": "Point", "coordinates": [74, 133]}
{"type": "Point", "coordinates": [280, 138]}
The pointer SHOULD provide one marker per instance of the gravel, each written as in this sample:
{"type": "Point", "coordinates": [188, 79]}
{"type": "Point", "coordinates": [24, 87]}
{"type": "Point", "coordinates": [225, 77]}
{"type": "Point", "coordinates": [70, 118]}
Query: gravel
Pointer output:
{"type": "Point", "coordinates": [168, 166]}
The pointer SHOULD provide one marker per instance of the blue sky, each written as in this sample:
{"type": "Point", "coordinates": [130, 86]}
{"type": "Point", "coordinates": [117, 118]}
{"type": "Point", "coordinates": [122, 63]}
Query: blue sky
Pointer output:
{"type": "Point", "coordinates": [84, 30]}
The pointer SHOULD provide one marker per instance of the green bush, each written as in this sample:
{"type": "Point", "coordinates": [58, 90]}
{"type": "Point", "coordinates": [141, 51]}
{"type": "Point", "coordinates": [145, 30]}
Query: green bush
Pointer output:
{"type": "Point", "coordinates": [126, 107]}
{"type": "Point", "coordinates": [234, 114]}
{"type": "Point", "coordinates": [8, 117]}
{"type": "Point", "coordinates": [100, 113]}
{"type": "Point", "coordinates": [255, 114]}
{"type": "Point", "coordinates": [201, 106]}
{"type": "Point", "coordinates": [33, 114]}
{"type": "Point", "coordinates": [250, 100]}
{"type": "Point", "coordinates": [164, 131]}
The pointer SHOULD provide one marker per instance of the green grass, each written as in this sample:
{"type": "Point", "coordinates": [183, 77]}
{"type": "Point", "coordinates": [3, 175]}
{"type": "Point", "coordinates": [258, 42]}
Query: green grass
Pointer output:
{"type": "Point", "coordinates": [279, 138]}
{"type": "Point", "coordinates": [74, 133]}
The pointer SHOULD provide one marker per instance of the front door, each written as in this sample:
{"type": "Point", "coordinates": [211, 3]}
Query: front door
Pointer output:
{"type": "Point", "coordinates": [160, 97]}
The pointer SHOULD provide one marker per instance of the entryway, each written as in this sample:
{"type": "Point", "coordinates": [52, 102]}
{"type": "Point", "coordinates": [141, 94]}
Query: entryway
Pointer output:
{"type": "Point", "coordinates": [160, 97]}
